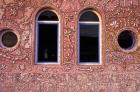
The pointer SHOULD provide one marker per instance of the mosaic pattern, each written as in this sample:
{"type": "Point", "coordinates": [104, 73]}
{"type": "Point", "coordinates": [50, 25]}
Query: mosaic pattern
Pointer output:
{"type": "Point", "coordinates": [119, 72]}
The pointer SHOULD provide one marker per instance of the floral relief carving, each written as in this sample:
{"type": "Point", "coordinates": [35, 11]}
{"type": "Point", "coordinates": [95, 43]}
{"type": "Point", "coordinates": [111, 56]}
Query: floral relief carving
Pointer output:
{"type": "Point", "coordinates": [12, 11]}
{"type": "Point", "coordinates": [67, 6]}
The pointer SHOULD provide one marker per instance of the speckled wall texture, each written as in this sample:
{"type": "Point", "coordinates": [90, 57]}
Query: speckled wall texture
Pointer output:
{"type": "Point", "coordinates": [119, 72]}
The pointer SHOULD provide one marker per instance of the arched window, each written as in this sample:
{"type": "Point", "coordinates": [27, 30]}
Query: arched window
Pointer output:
{"type": "Point", "coordinates": [89, 38]}
{"type": "Point", "coordinates": [47, 37]}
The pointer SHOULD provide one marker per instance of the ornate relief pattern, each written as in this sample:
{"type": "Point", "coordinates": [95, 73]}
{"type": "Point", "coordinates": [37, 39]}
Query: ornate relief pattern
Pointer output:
{"type": "Point", "coordinates": [118, 73]}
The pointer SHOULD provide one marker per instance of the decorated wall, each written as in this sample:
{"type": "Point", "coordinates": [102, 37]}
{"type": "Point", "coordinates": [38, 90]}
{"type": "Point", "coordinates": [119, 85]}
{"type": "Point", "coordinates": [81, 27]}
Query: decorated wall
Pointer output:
{"type": "Point", "coordinates": [119, 71]}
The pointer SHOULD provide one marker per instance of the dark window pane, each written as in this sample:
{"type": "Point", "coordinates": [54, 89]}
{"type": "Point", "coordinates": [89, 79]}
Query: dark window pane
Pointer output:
{"type": "Point", "coordinates": [126, 39]}
{"type": "Point", "coordinates": [48, 16]}
{"type": "Point", "coordinates": [89, 16]}
{"type": "Point", "coordinates": [89, 43]}
{"type": "Point", "coordinates": [9, 39]}
{"type": "Point", "coordinates": [47, 43]}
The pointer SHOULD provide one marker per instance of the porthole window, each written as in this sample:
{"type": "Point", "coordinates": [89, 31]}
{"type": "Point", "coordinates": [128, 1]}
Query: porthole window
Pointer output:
{"type": "Point", "coordinates": [47, 37]}
{"type": "Point", "coordinates": [89, 38]}
{"type": "Point", "coordinates": [8, 38]}
{"type": "Point", "coordinates": [126, 40]}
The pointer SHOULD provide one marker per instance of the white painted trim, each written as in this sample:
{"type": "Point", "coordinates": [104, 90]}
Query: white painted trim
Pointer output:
{"type": "Point", "coordinates": [85, 22]}
{"type": "Point", "coordinates": [99, 41]}
{"type": "Point", "coordinates": [58, 39]}
{"type": "Point", "coordinates": [48, 22]}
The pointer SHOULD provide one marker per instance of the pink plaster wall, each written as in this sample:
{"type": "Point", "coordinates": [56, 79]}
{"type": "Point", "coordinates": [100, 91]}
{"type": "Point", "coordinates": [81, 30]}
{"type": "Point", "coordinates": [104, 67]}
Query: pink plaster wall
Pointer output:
{"type": "Point", "coordinates": [119, 72]}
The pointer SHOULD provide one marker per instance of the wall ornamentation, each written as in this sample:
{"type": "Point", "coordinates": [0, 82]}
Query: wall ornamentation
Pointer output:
{"type": "Point", "coordinates": [119, 71]}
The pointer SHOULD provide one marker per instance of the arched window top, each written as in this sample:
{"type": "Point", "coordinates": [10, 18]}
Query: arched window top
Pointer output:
{"type": "Point", "coordinates": [47, 15]}
{"type": "Point", "coordinates": [89, 16]}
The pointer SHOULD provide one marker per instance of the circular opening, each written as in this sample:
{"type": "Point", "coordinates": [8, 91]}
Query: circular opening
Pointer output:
{"type": "Point", "coordinates": [126, 39]}
{"type": "Point", "coordinates": [9, 39]}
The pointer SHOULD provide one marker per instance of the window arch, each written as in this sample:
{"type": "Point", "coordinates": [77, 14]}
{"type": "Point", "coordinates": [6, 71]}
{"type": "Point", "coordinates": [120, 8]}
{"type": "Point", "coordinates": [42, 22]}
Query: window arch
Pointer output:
{"type": "Point", "coordinates": [89, 38]}
{"type": "Point", "coordinates": [47, 37]}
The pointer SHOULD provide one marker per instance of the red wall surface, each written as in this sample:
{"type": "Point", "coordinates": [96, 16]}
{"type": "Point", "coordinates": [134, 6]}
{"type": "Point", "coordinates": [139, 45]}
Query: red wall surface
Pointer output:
{"type": "Point", "coordinates": [119, 71]}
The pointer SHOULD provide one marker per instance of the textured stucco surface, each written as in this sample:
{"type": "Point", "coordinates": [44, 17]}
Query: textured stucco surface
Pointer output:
{"type": "Point", "coordinates": [119, 72]}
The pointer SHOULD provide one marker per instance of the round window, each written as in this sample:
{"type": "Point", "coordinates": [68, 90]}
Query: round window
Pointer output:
{"type": "Point", "coordinates": [126, 39]}
{"type": "Point", "coordinates": [8, 38]}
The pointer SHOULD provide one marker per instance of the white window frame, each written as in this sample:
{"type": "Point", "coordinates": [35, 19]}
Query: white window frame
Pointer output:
{"type": "Point", "coordinates": [37, 37]}
{"type": "Point", "coordinates": [99, 38]}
